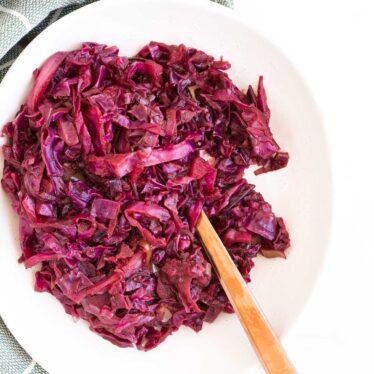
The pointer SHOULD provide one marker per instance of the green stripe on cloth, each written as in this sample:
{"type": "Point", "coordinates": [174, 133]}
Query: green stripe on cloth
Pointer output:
{"type": "Point", "coordinates": [13, 359]}
{"type": "Point", "coordinates": [20, 22]}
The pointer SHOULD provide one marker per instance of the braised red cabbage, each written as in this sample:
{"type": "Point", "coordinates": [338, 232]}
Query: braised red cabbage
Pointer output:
{"type": "Point", "coordinates": [109, 164]}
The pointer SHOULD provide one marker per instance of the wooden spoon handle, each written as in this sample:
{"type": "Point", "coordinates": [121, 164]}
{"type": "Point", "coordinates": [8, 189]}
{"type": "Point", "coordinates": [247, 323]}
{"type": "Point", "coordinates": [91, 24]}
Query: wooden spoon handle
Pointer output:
{"type": "Point", "coordinates": [259, 332]}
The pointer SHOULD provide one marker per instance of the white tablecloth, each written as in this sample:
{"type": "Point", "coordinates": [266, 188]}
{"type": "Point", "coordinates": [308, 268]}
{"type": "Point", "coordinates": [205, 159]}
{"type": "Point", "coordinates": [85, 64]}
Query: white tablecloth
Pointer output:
{"type": "Point", "coordinates": [331, 43]}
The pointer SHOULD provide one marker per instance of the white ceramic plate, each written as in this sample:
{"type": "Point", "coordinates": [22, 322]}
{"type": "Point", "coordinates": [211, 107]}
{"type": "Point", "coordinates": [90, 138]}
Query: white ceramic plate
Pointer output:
{"type": "Point", "coordinates": [300, 193]}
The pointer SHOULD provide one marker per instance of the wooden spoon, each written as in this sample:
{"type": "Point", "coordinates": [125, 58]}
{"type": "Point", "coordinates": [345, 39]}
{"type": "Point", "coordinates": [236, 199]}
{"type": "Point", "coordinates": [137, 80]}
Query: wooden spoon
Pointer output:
{"type": "Point", "coordinates": [267, 347]}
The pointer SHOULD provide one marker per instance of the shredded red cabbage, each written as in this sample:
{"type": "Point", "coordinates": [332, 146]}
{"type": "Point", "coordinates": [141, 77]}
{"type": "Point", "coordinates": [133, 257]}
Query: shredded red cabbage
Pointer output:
{"type": "Point", "coordinates": [109, 164]}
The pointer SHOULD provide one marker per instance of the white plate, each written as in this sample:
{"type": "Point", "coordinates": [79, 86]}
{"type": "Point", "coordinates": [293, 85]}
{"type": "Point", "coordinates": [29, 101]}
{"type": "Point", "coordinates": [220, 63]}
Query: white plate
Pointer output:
{"type": "Point", "coordinates": [300, 193]}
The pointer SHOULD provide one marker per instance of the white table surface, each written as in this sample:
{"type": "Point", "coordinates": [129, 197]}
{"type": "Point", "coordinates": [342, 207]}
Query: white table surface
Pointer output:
{"type": "Point", "coordinates": [332, 44]}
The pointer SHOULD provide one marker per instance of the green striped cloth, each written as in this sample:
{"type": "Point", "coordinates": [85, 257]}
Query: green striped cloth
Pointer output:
{"type": "Point", "coordinates": [20, 22]}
